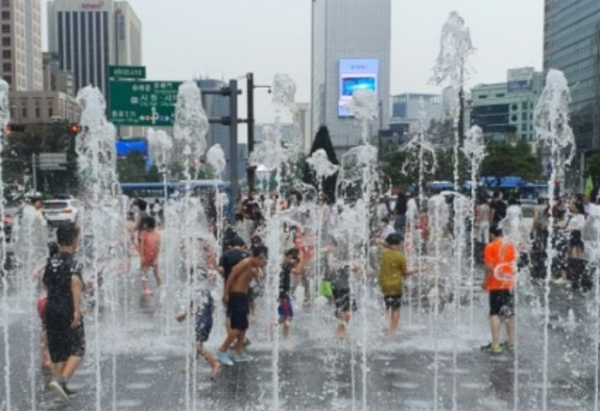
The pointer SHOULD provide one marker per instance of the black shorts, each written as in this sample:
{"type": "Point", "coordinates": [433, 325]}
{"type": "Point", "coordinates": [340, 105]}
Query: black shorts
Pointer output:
{"type": "Point", "coordinates": [203, 328]}
{"type": "Point", "coordinates": [392, 302]}
{"type": "Point", "coordinates": [343, 301]}
{"type": "Point", "coordinates": [65, 342]}
{"type": "Point", "coordinates": [502, 303]}
{"type": "Point", "coordinates": [238, 309]}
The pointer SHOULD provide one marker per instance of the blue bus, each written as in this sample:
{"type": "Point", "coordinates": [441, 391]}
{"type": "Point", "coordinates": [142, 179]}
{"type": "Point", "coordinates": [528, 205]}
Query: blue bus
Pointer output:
{"type": "Point", "coordinates": [202, 188]}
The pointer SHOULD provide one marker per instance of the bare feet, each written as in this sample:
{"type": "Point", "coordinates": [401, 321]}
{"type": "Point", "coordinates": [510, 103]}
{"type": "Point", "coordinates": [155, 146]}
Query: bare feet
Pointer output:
{"type": "Point", "coordinates": [216, 366]}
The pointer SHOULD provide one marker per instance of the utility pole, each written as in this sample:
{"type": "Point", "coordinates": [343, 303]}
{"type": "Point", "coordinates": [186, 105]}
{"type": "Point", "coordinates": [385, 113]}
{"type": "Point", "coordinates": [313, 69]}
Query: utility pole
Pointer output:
{"type": "Point", "coordinates": [233, 136]}
{"type": "Point", "coordinates": [250, 169]}
{"type": "Point", "coordinates": [34, 171]}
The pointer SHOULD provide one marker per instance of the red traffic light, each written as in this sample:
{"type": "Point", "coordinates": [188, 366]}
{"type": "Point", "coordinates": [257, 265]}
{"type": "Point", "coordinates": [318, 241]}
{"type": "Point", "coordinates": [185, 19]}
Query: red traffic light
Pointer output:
{"type": "Point", "coordinates": [74, 129]}
{"type": "Point", "coordinates": [11, 128]}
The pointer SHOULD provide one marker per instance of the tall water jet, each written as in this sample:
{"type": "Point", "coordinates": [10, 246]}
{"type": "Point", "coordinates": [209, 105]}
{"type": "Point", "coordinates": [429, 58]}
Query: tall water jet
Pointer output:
{"type": "Point", "coordinates": [475, 152]}
{"type": "Point", "coordinates": [364, 106]}
{"type": "Point", "coordinates": [551, 118]}
{"type": "Point", "coordinates": [4, 120]}
{"type": "Point", "coordinates": [191, 127]}
{"type": "Point", "coordinates": [453, 67]}
{"type": "Point", "coordinates": [422, 156]}
{"type": "Point", "coordinates": [29, 236]}
{"type": "Point", "coordinates": [95, 147]}
{"type": "Point", "coordinates": [215, 157]}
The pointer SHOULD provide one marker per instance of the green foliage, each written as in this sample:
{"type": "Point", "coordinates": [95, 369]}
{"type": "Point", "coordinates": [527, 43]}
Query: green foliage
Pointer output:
{"type": "Point", "coordinates": [44, 138]}
{"type": "Point", "coordinates": [132, 169]}
{"type": "Point", "coordinates": [507, 160]}
{"type": "Point", "coordinates": [323, 141]}
{"type": "Point", "coordinates": [592, 167]}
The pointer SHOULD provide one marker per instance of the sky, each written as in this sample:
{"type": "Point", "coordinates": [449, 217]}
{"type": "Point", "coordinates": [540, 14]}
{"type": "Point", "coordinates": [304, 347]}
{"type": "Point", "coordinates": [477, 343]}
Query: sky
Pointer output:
{"type": "Point", "coordinates": [227, 38]}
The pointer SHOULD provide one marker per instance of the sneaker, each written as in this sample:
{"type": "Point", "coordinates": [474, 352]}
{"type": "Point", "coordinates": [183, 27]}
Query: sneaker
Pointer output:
{"type": "Point", "coordinates": [59, 389]}
{"type": "Point", "coordinates": [508, 346]}
{"type": "Point", "coordinates": [70, 393]}
{"type": "Point", "coordinates": [491, 350]}
{"type": "Point", "coordinates": [245, 357]}
{"type": "Point", "coordinates": [224, 358]}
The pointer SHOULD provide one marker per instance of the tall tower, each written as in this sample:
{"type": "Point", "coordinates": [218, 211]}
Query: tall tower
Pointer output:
{"type": "Point", "coordinates": [572, 45]}
{"type": "Point", "coordinates": [90, 35]}
{"type": "Point", "coordinates": [351, 48]}
{"type": "Point", "coordinates": [21, 58]}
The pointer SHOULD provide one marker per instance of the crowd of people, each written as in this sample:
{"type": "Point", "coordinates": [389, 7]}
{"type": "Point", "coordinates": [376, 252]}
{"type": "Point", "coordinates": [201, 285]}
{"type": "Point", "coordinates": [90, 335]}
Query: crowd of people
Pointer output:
{"type": "Point", "coordinates": [402, 231]}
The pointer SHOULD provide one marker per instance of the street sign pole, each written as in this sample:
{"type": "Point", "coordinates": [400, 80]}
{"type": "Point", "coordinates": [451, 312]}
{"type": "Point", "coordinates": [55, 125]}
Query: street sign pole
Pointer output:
{"type": "Point", "coordinates": [34, 172]}
{"type": "Point", "coordinates": [233, 137]}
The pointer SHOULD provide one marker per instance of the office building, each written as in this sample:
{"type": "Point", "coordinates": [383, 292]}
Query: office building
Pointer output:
{"type": "Point", "coordinates": [90, 35]}
{"type": "Point", "coordinates": [56, 79]}
{"type": "Point", "coordinates": [406, 109]}
{"type": "Point", "coordinates": [302, 119]}
{"type": "Point", "coordinates": [351, 47]}
{"type": "Point", "coordinates": [21, 56]}
{"type": "Point", "coordinates": [43, 107]}
{"type": "Point", "coordinates": [504, 111]}
{"type": "Point", "coordinates": [572, 45]}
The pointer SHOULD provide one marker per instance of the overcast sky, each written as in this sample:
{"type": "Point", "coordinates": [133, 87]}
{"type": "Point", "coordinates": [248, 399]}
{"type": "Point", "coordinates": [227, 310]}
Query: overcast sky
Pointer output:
{"type": "Point", "coordinates": [227, 38]}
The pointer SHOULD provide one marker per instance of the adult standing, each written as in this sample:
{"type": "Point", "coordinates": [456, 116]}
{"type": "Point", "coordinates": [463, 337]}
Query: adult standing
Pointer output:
{"type": "Point", "coordinates": [64, 319]}
{"type": "Point", "coordinates": [400, 211]}
{"type": "Point", "coordinates": [497, 208]}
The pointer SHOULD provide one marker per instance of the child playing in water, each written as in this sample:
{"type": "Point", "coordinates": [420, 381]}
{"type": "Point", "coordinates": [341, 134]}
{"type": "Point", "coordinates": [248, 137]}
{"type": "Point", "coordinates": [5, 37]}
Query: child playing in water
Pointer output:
{"type": "Point", "coordinates": [149, 251]}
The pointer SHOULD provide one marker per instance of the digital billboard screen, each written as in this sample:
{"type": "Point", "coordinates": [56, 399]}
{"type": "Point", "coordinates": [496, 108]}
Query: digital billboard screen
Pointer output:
{"type": "Point", "coordinates": [356, 74]}
{"type": "Point", "coordinates": [126, 147]}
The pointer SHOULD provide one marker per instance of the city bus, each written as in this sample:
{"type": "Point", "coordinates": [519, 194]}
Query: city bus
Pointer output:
{"type": "Point", "coordinates": [151, 192]}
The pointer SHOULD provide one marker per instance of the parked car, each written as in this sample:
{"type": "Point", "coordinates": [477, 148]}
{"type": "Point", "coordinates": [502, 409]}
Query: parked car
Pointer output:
{"type": "Point", "coordinates": [61, 211]}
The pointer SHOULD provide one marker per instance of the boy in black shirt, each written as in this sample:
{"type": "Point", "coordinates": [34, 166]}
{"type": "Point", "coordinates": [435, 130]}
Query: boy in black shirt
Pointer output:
{"type": "Point", "coordinates": [64, 322]}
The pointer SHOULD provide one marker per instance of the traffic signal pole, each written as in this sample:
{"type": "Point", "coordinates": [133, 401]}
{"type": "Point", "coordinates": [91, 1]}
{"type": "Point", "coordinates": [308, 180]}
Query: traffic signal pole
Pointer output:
{"type": "Point", "coordinates": [233, 137]}
{"type": "Point", "coordinates": [250, 169]}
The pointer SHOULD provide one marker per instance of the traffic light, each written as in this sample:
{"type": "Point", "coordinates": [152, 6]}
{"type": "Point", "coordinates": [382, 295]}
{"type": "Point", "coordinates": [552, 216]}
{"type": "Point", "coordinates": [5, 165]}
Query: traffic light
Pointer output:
{"type": "Point", "coordinates": [74, 129]}
{"type": "Point", "coordinates": [11, 128]}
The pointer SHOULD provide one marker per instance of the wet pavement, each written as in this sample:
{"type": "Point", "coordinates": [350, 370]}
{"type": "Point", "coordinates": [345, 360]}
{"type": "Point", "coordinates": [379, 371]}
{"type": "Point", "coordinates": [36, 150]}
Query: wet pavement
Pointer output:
{"type": "Point", "coordinates": [136, 359]}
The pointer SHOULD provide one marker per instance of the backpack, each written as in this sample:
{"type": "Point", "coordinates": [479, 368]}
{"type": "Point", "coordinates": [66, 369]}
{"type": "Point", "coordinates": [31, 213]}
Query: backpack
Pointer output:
{"type": "Point", "coordinates": [391, 272]}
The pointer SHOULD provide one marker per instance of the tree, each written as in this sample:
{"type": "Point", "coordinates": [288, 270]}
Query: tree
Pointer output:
{"type": "Point", "coordinates": [323, 141]}
{"type": "Point", "coordinates": [592, 167]}
{"type": "Point", "coordinates": [507, 160]}
{"type": "Point", "coordinates": [132, 169]}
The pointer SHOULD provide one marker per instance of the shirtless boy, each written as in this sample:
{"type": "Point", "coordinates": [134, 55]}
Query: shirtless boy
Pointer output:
{"type": "Point", "coordinates": [235, 296]}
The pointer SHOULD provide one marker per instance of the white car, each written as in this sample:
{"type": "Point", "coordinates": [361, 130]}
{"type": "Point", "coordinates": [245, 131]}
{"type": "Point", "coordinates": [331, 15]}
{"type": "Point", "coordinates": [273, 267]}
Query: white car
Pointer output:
{"type": "Point", "coordinates": [61, 211]}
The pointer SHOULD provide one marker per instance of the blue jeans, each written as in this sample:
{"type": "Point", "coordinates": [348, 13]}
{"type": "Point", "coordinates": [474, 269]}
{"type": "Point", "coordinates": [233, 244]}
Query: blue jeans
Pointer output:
{"type": "Point", "coordinates": [400, 225]}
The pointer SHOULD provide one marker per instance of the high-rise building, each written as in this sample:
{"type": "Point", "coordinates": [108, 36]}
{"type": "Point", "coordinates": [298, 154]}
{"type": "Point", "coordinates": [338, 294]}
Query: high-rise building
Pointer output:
{"type": "Point", "coordinates": [90, 35]}
{"type": "Point", "coordinates": [351, 48]}
{"type": "Point", "coordinates": [302, 118]}
{"type": "Point", "coordinates": [56, 79]}
{"type": "Point", "coordinates": [572, 45]}
{"type": "Point", "coordinates": [21, 57]}
{"type": "Point", "coordinates": [406, 109]}
{"type": "Point", "coordinates": [504, 111]}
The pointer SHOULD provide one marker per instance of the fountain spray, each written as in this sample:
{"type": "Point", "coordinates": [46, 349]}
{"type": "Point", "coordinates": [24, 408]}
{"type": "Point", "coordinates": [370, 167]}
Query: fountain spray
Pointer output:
{"type": "Point", "coordinates": [551, 117]}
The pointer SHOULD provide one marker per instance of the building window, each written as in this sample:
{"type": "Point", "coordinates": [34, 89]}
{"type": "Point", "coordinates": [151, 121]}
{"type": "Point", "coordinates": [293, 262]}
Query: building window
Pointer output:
{"type": "Point", "coordinates": [5, 3]}
{"type": "Point", "coordinates": [524, 117]}
{"type": "Point", "coordinates": [7, 67]}
{"type": "Point", "coordinates": [24, 112]}
{"type": "Point", "coordinates": [500, 95]}
{"type": "Point", "coordinates": [524, 106]}
{"type": "Point", "coordinates": [6, 28]}
{"type": "Point", "coordinates": [482, 96]}
{"type": "Point", "coordinates": [8, 79]}
{"type": "Point", "coordinates": [38, 112]}
{"type": "Point", "coordinates": [6, 15]}
{"type": "Point", "coordinates": [50, 112]}
{"type": "Point", "coordinates": [514, 118]}
{"type": "Point", "coordinates": [6, 41]}
{"type": "Point", "coordinates": [514, 107]}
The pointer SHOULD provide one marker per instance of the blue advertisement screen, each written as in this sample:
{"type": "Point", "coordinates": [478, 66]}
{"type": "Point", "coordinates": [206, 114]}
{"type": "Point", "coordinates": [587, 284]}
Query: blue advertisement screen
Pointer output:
{"type": "Point", "coordinates": [126, 147]}
{"type": "Point", "coordinates": [356, 74]}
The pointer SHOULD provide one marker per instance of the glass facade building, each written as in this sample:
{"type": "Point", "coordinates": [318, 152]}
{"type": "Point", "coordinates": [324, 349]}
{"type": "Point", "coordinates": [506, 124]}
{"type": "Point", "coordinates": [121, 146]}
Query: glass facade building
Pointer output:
{"type": "Point", "coordinates": [351, 47]}
{"type": "Point", "coordinates": [572, 45]}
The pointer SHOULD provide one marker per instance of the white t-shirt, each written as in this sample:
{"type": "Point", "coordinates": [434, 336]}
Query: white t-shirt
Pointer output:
{"type": "Point", "coordinates": [389, 229]}
{"type": "Point", "coordinates": [514, 212]}
{"type": "Point", "coordinates": [576, 223]}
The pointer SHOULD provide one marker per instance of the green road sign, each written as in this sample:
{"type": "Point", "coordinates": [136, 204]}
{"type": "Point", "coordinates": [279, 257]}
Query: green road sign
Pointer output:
{"type": "Point", "coordinates": [143, 103]}
{"type": "Point", "coordinates": [130, 72]}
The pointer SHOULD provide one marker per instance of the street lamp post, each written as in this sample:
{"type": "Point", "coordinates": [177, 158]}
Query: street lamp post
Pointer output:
{"type": "Point", "coordinates": [251, 170]}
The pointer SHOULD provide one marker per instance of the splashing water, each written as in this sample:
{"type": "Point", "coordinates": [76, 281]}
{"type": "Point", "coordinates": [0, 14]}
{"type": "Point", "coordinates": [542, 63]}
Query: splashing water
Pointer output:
{"type": "Point", "coordinates": [474, 150]}
{"type": "Point", "coordinates": [160, 146]}
{"type": "Point", "coordinates": [551, 118]}
{"type": "Point", "coordinates": [4, 120]}
{"type": "Point", "coordinates": [215, 157]}
{"type": "Point", "coordinates": [95, 148]}
{"type": "Point", "coordinates": [364, 106]}
{"type": "Point", "coordinates": [191, 123]}
{"type": "Point", "coordinates": [321, 165]}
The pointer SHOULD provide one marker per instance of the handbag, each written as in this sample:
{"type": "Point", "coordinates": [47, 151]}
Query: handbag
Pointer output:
{"type": "Point", "coordinates": [325, 289]}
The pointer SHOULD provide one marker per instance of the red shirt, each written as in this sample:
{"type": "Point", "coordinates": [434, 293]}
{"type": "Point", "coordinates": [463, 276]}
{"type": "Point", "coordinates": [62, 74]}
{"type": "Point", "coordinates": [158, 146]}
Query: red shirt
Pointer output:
{"type": "Point", "coordinates": [501, 256]}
